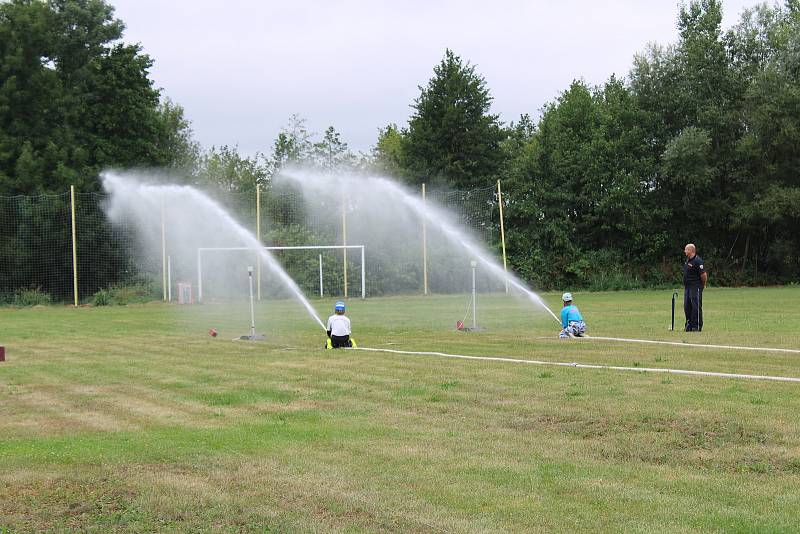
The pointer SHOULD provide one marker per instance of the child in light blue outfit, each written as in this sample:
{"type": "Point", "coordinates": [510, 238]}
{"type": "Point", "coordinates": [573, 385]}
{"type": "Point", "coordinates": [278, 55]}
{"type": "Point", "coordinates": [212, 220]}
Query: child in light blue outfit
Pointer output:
{"type": "Point", "coordinates": [571, 318]}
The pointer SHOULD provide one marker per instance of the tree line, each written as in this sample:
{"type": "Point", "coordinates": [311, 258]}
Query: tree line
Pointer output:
{"type": "Point", "coordinates": [699, 142]}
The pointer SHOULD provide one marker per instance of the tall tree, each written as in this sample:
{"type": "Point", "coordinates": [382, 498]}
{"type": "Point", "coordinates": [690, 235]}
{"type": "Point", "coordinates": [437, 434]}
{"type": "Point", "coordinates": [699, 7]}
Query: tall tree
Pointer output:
{"type": "Point", "coordinates": [691, 107]}
{"type": "Point", "coordinates": [73, 99]}
{"type": "Point", "coordinates": [452, 138]}
{"type": "Point", "coordinates": [293, 145]}
{"type": "Point", "coordinates": [387, 154]}
{"type": "Point", "coordinates": [768, 211]}
{"type": "Point", "coordinates": [228, 171]}
{"type": "Point", "coordinates": [331, 153]}
{"type": "Point", "coordinates": [577, 194]}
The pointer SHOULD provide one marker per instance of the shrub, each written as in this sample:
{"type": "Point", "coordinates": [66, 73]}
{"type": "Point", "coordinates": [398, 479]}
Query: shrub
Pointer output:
{"type": "Point", "coordinates": [32, 297]}
{"type": "Point", "coordinates": [102, 298]}
{"type": "Point", "coordinates": [135, 293]}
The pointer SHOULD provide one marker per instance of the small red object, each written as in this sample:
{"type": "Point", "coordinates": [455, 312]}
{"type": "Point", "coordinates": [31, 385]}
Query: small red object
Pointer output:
{"type": "Point", "coordinates": [459, 325]}
{"type": "Point", "coordinates": [2, 353]}
{"type": "Point", "coordinates": [212, 332]}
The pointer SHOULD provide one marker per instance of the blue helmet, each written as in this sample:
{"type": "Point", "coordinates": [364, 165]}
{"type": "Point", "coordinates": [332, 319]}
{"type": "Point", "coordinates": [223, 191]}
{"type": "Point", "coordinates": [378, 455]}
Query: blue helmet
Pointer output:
{"type": "Point", "coordinates": [339, 306]}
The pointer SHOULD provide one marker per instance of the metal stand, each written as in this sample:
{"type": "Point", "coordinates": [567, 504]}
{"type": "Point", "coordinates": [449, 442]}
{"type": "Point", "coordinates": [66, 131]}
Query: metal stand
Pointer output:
{"type": "Point", "coordinates": [475, 327]}
{"type": "Point", "coordinates": [253, 336]}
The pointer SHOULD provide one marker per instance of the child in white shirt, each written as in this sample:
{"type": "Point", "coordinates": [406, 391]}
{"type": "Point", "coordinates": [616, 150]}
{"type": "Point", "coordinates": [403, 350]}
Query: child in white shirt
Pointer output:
{"type": "Point", "coordinates": [338, 328]}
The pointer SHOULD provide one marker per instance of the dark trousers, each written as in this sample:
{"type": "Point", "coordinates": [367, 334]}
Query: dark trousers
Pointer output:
{"type": "Point", "coordinates": [693, 308]}
{"type": "Point", "coordinates": [340, 341]}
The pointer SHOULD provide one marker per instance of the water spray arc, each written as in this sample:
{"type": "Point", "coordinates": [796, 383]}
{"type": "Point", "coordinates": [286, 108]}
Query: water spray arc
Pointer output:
{"type": "Point", "coordinates": [128, 196]}
{"type": "Point", "coordinates": [392, 202]}
{"type": "Point", "coordinates": [430, 214]}
{"type": "Point", "coordinates": [360, 248]}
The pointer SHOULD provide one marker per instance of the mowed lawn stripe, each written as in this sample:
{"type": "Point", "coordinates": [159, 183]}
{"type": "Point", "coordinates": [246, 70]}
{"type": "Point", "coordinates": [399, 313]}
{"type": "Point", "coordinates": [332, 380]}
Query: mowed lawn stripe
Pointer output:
{"type": "Point", "coordinates": [196, 433]}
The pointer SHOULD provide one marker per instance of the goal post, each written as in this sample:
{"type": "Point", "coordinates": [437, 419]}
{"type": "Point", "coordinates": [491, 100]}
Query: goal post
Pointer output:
{"type": "Point", "coordinates": [202, 250]}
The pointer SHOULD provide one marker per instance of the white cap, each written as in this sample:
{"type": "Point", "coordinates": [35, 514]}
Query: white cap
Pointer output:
{"type": "Point", "coordinates": [566, 297]}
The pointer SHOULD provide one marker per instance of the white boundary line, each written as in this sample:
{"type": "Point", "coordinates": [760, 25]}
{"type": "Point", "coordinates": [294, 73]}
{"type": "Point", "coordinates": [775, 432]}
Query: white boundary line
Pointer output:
{"type": "Point", "coordinates": [680, 344]}
{"type": "Point", "coordinates": [589, 366]}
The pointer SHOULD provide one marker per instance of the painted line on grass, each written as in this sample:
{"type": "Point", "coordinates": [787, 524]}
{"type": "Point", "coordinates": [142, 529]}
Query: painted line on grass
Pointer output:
{"type": "Point", "coordinates": [681, 344]}
{"type": "Point", "coordinates": [586, 365]}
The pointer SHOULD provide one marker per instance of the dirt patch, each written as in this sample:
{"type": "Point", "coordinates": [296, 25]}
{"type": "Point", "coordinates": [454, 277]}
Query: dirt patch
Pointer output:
{"type": "Point", "coordinates": [48, 503]}
{"type": "Point", "coordinates": [60, 412]}
{"type": "Point", "coordinates": [703, 433]}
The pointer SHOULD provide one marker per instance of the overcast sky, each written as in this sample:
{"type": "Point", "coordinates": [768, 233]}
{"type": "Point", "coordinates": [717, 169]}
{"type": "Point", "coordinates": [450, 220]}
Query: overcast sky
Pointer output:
{"type": "Point", "coordinates": [241, 68]}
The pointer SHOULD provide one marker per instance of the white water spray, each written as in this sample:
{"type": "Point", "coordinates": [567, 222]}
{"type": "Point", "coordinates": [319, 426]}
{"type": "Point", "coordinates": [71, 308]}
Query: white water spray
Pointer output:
{"type": "Point", "coordinates": [383, 195]}
{"type": "Point", "coordinates": [433, 215]}
{"type": "Point", "coordinates": [200, 220]}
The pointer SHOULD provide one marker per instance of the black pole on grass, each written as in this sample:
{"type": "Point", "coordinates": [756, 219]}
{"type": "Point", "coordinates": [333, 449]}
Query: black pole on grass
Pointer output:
{"type": "Point", "coordinates": [674, 296]}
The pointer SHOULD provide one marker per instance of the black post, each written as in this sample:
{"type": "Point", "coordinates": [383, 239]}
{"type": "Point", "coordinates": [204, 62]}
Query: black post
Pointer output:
{"type": "Point", "coordinates": [674, 296]}
{"type": "Point", "coordinates": [699, 309]}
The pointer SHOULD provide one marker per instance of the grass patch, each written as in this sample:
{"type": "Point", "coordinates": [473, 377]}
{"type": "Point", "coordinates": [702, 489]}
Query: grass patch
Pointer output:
{"type": "Point", "coordinates": [245, 396]}
{"type": "Point", "coordinates": [134, 419]}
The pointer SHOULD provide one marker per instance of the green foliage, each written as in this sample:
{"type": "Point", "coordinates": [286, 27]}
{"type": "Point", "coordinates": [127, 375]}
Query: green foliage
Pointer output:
{"type": "Point", "coordinates": [32, 297]}
{"type": "Point", "coordinates": [227, 171]}
{"type": "Point", "coordinates": [302, 266]}
{"type": "Point", "coordinates": [296, 145]}
{"type": "Point", "coordinates": [331, 153]}
{"type": "Point", "coordinates": [74, 100]}
{"type": "Point", "coordinates": [686, 162]}
{"type": "Point", "coordinates": [388, 152]}
{"type": "Point", "coordinates": [175, 146]}
{"type": "Point", "coordinates": [575, 187]}
{"type": "Point", "coordinates": [135, 292]}
{"type": "Point", "coordinates": [102, 298]}
{"type": "Point", "coordinates": [700, 145]}
{"type": "Point", "coordinates": [452, 139]}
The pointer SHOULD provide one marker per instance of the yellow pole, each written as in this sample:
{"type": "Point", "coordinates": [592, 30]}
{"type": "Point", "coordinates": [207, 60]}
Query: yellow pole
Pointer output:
{"type": "Point", "coordinates": [344, 241]}
{"type": "Point", "coordinates": [258, 237]}
{"type": "Point", "coordinates": [74, 245]}
{"type": "Point", "coordinates": [163, 249]}
{"type": "Point", "coordinates": [502, 232]}
{"type": "Point", "coordinates": [424, 246]}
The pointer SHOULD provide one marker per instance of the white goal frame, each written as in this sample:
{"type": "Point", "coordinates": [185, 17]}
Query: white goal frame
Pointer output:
{"type": "Point", "coordinates": [200, 251]}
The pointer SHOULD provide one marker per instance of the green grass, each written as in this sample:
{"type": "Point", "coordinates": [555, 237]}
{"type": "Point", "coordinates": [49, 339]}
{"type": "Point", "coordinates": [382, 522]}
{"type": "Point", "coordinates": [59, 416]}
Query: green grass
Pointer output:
{"type": "Point", "coordinates": [135, 419]}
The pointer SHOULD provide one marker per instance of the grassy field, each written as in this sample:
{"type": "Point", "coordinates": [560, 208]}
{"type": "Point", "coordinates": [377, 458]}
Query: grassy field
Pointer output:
{"type": "Point", "coordinates": [134, 419]}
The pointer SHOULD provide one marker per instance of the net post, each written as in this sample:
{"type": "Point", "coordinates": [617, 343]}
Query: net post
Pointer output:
{"type": "Point", "coordinates": [258, 238]}
{"type": "Point", "coordinates": [163, 251]}
{"type": "Point", "coordinates": [474, 264]}
{"type": "Point", "coordinates": [363, 276]}
{"type": "Point", "coordinates": [502, 232]}
{"type": "Point", "coordinates": [74, 245]}
{"type": "Point", "coordinates": [169, 278]}
{"type": "Point", "coordinates": [424, 246]}
{"type": "Point", "coordinates": [321, 293]}
{"type": "Point", "coordinates": [199, 276]}
{"type": "Point", "coordinates": [344, 242]}
{"type": "Point", "coordinates": [252, 309]}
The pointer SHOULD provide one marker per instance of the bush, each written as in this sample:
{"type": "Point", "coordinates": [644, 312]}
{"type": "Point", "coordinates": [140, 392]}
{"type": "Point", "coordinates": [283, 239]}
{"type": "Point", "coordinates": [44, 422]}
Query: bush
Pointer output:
{"type": "Point", "coordinates": [102, 298]}
{"type": "Point", "coordinates": [135, 293]}
{"type": "Point", "coordinates": [32, 297]}
{"type": "Point", "coordinates": [143, 291]}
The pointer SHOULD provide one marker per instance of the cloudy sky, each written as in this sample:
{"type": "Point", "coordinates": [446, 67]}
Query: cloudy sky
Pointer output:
{"type": "Point", "coordinates": [242, 68]}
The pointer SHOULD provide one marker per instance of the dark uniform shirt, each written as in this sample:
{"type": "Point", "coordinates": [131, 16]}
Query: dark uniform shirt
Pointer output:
{"type": "Point", "coordinates": [692, 270]}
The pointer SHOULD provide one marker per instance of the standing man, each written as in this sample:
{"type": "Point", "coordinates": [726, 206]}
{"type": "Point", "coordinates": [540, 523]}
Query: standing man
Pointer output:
{"type": "Point", "coordinates": [694, 282]}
